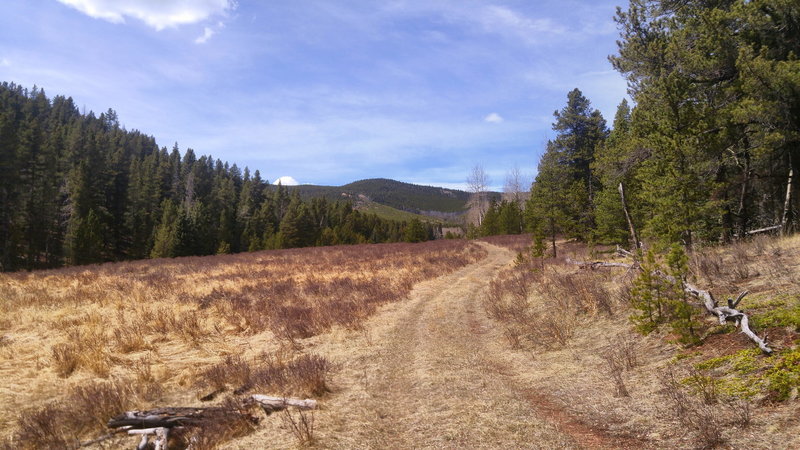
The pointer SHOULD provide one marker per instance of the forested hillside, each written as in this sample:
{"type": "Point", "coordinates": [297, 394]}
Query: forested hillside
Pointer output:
{"type": "Point", "coordinates": [711, 148]}
{"type": "Point", "coordinates": [77, 188]}
{"type": "Point", "coordinates": [396, 194]}
{"type": "Point", "coordinates": [411, 197]}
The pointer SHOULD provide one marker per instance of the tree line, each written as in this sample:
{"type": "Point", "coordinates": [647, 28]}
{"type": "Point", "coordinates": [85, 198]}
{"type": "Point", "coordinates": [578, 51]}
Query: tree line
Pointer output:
{"type": "Point", "coordinates": [710, 149]}
{"type": "Point", "coordinates": [78, 188]}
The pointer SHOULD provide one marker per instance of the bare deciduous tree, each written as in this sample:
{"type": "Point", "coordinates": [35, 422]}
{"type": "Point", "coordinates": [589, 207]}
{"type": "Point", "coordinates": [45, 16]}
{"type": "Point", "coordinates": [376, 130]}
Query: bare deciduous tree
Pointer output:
{"type": "Point", "coordinates": [478, 183]}
{"type": "Point", "coordinates": [515, 184]}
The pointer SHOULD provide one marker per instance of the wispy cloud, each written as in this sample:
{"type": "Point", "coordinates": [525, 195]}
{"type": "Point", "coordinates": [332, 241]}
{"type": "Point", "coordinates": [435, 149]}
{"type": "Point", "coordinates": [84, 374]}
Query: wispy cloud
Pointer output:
{"type": "Point", "coordinates": [504, 20]}
{"type": "Point", "coordinates": [207, 33]}
{"type": "Point", "coordinates": [493, 118]}
{"type": "Point", "coordinates": [158, 14]}
{"type": "Point", "coordinates": [406, 89]}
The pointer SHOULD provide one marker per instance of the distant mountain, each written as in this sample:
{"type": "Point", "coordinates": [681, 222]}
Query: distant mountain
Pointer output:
{"type": "Point", "coordinates": [427, 200]}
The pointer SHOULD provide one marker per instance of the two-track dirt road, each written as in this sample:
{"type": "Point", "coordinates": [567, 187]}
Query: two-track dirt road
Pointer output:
{"type": "Point", "coordinates": [431, 372]}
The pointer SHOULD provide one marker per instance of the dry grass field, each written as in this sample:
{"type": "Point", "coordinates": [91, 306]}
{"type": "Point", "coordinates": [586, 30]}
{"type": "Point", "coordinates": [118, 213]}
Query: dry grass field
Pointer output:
{"type": "Point", "coordinates": [446, 344]}
{"type": "Point", "coordinates": [592, 369]}
{"type": "Point", "coordinates": [79, 345]}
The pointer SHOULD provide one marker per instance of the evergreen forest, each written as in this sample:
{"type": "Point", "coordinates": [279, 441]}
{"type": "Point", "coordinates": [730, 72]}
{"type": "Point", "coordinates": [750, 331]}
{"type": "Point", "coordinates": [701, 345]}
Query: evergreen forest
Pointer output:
{"type": "Point", "coordinates": [78, 189]}
{"type": "Point", "coordinates": [709, 151]}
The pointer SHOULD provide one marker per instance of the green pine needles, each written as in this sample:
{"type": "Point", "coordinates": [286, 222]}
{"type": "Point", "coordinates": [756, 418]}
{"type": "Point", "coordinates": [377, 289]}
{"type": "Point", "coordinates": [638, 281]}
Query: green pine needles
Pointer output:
{"type": "Point", "coordinates": [658, 300]}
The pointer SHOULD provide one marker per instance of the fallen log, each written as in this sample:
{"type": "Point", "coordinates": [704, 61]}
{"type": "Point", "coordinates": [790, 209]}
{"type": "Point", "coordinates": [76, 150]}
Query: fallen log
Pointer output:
{"type": "Point", "coordinates": [728, 314]}
{"type": "Point", "coordinates": [161, 434]}
{"type": "Point", "coordinates": [622, 252]}
{"type": "Point", "coordinates": [168, 417]}
{"type": "Point", "coordinates": [596, 264]}
{"type": "Point", "coordinates": [723, 313]}
{"type": "Point", "coordinates": [159, 421]}
{"type": "Point", "coordinates": [765, 229]}
{"type": "Point", "coordinates": [273, 404]}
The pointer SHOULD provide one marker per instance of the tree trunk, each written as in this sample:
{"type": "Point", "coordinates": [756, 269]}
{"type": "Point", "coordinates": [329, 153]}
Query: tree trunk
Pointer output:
{"type": "Point", "coordinates": [636, 243]}
{"type": "Point", "coordinates": [741, 212]}
{"type": "Point", "coordinates": [787, 204]}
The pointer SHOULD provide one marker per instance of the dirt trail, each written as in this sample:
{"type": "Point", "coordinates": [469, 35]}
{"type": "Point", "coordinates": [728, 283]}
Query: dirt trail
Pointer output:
{"type": "Point", "coordinates": [429, 374]}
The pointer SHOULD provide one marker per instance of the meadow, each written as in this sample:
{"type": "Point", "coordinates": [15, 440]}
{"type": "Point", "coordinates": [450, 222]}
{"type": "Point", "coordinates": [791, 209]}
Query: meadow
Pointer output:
{"type": "Point", "coordinates": [80, 344]}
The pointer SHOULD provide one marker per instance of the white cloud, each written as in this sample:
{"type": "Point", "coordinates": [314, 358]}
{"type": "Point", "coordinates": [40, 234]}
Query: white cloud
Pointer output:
{"type": "Point", "coordinates": [4, 62]}
{"type": "Point", "coordinates": [207, 33]}
{"type": "Point", "coordinates": [286, 181]}
{"type": "Point", "coordinates": [498, 18]}
{"type": "Point", "coordinates": [493, 118]}
{"type": "Point", "coordinates": [158, 14]}
{"type": "Point", "coordinates": [531, 27]}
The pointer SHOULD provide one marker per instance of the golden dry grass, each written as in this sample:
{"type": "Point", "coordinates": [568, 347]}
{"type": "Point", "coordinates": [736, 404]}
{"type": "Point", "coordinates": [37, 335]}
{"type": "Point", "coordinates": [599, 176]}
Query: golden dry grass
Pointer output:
{"type": "Point", "coordinates": [425, 374]}
{"type": "Point", "coordinates": [157, 327]}
{"type": "Point", "coordinates": [575, 374]}
{"type": "Point", "coordinates": [432, 371]}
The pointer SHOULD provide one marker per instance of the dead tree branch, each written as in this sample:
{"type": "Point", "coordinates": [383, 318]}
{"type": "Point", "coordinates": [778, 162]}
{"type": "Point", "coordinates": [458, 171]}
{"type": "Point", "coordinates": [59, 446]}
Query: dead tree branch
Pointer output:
{"type": "Point", "coordinates": [723, 313]}
{"type": "Point", "coordinates": [728, 314]}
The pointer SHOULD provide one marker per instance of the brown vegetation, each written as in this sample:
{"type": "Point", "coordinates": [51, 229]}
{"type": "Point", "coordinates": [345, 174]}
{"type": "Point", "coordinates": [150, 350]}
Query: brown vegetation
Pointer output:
{"type": "Point", "coordinates": [722, 392]}
{"type": "Point", "coordinates": [542, 306]}
{"type": "Point", "coordinates": [83, 343]}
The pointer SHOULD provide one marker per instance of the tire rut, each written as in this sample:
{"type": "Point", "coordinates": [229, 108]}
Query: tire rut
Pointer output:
{"type": "Point", "coordinates": [436, 380]}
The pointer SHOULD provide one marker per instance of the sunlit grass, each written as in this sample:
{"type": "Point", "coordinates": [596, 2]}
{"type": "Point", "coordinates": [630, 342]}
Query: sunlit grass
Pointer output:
{"type": "Point", "coordinates": [161, 327]}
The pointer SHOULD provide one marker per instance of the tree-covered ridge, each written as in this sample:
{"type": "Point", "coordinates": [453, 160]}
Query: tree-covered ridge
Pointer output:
{"type": "Point", "coordinates": [78, 188]}
{"type": "Point", "coordinates": [396, 194]}
{"type": "Point", "coordinates": [712, 144]}
{"type": "Point", "coordinates": [411, 197]}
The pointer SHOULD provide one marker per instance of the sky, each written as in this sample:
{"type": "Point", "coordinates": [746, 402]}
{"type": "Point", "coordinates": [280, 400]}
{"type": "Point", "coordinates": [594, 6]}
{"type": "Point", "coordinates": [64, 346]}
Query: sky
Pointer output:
{"type": "Point", "coordinates": [325, 91]}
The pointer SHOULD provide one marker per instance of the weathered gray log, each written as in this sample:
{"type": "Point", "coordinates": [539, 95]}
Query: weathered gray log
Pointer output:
{"type": "Point", "coordinates": [728, 314]}
{"type": "Point", "coordinates": [765, 229]}
{"type": "Point", "coordinates": [622, 252]}
{"type": "Point", "coordinates": [274, 404]}
{"type": "Point", "coordinates": [596, 264]}
{"type": "Point", "coordinates": [161, 434]}
{"type": "Point", "coordinates": [143, 442]}
{"type": "Point", "coordinates": [157, 422]}
{"type": "Point", "coordinates": [165, 417]}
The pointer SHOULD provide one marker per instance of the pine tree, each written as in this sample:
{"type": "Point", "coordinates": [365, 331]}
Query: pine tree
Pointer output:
{"type": "Point", "coordinates": [562, 196]}
{"type": "Point", "coordinates": [615, 163]}
{"type": "Point", "coordinates": [510, 220]}
{"type": "Point", "coordinates": [684, 316]}
{"type": "Point", "coordinates": [296, 229]}
{"type": "Point", "coordinates": [649, 295]}
{"type": "Point", "coordinates": [415, 231]}
{"type": "Point", "coordinates": [165, 241]}
{"type": "Point", "coordinates": [490, 226]}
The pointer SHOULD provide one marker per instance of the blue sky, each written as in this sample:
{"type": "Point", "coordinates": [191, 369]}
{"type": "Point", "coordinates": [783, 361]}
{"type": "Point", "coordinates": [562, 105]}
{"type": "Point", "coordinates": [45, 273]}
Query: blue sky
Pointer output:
{"type": "Point", "coordinates": [327, 92]}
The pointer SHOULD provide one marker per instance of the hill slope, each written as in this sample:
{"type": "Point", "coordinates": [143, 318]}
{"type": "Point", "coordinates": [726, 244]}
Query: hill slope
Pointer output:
{"type": "Point", "coordinates": [396, 194]}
